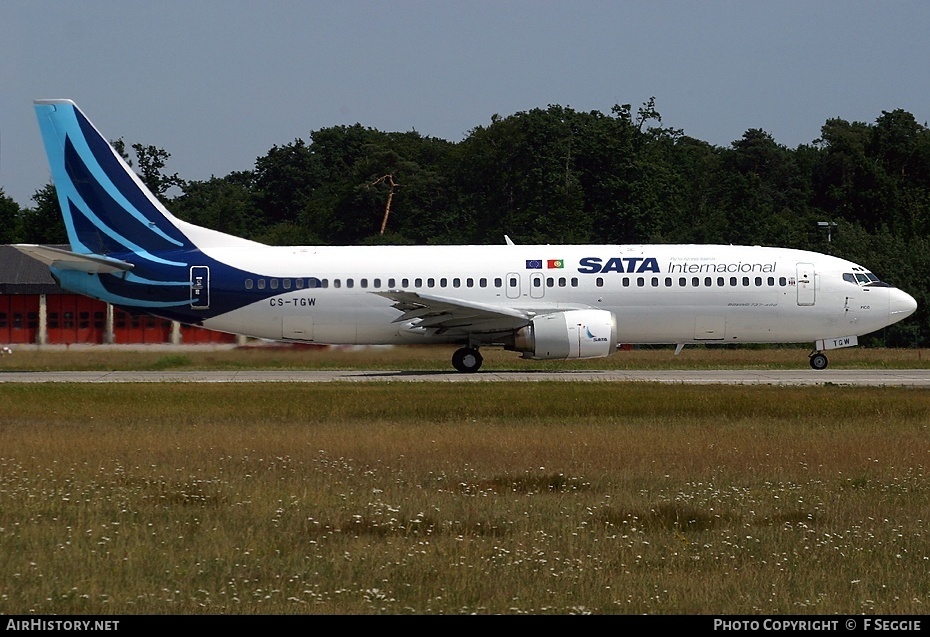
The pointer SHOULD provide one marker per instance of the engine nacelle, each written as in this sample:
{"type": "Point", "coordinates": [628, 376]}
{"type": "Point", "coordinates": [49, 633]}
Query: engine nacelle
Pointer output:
{"type": "Point", "coordinates": [571, 334]}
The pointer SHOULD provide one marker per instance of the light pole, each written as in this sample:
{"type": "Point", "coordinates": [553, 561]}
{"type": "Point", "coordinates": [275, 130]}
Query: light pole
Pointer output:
{"type": "Point", "coordinates": [828, 226]}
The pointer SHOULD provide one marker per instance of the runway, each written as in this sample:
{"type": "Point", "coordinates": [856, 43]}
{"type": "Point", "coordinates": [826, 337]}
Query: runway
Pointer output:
{"type": "Point", "coordinates": [862, 378]}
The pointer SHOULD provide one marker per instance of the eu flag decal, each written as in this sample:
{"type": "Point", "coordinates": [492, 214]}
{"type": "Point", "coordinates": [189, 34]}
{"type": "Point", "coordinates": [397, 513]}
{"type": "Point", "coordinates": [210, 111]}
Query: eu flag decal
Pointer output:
{"type": "Point", "coordinates": [555, 263]}
{"type": "Point", "coordinates": [534, 264]}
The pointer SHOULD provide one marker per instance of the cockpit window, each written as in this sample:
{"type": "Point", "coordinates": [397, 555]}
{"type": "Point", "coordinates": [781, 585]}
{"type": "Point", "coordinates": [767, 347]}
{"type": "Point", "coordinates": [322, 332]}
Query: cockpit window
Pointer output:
{"type": "Point", "coordinates": [864, 279]}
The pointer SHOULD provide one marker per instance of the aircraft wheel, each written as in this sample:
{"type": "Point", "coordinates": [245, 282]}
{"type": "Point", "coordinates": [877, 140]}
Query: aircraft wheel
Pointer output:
{"type": "Point", "coordinates": [467, 360]}
{"type": "Point", "coordinates": [818, 361]}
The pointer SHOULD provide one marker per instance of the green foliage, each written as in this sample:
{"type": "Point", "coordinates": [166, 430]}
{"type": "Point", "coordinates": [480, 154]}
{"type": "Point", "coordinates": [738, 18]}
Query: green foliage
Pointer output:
{"type": "Point", "coordinates": [43, 223]}
{"type": "Point", "coordinates": [226, 204]}
{"type": "Point", "coordinates": [151, 162]}
{"type": "Point", "coordinates": [9, 215]}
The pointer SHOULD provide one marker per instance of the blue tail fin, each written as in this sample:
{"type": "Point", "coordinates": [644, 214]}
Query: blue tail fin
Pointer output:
{"type": "Point", "coordinates": [136, 252]}
{"type": "Point", "coordinates": [107, 209]}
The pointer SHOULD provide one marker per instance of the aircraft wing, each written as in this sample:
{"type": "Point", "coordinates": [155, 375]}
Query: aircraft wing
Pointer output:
{"type": "Point", "coordinates": [65, 260]}
{"type": "Point", "coordinates": [447, 314]}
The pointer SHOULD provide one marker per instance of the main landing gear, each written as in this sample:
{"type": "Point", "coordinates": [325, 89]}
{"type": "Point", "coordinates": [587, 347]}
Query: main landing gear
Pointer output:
{"type": "Point", "coordinates": [467, 360]}
{"type": "Point", "coordinates": [818, 360]}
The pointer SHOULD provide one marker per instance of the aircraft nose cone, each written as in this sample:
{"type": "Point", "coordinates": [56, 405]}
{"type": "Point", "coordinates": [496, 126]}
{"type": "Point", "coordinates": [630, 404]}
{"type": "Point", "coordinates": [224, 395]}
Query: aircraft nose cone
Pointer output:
{"type": "Point", "coordinates": [901, 305]}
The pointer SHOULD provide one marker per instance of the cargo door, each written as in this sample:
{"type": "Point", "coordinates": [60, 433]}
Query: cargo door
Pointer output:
{"type": "Point", "coordinates": [710, 328]}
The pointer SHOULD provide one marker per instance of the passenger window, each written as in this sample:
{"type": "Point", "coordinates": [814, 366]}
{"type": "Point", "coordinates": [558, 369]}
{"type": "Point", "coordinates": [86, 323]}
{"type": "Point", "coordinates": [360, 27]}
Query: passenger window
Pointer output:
{"type": "Point", "coordinates": [442, 283]}
{"type": "Point", "coordinates": [782, 281]}
{"type": "Point", "coordinates": [350, 283]}
{"type": "Point", "coordinates": [376, 283]}
{"type": "Point", "coordinates": [720, 281]}
{"type": "Point", "coordinates": [574, 282]}
{"type": "Point", "coordinates": [562, 282]}
{"type": "Point", "coordinates": [274, 284]}
{"type": "Point", "coordinates": [655, 281]}
{"type": "Point", "coordinates": [758, 281]}
{"type": "Point", "coordinates": [363, 283]}
{"type": "Point", "coordinates": [287, 284]}
{"type": "Point", "coordinates": [261, 284]}
{"type": "Point", "coordinates": [640, 281]}
{"type": "Point", "coordinates": [337, 283]}
{"type": "Point", "coordinates": [248, 284]}
{"type": "Point", "coordinates": [430, 282]}
{"type": "Point", "coordinates": [771, 281]}
{"type": "Point", "coordinates": [626, 281]}
{"type": "Point", "coordinates": [708, 281]}
{"type": "Point", "coordinates": [456, 283]}
{"type": "Point", "coordinates": [682, 281]}
{"type": "Point", "coordinates": [745, 280]}
{"type": "Point", "coordinates": [418, 283]}
{"type": "Point", "coordinates": [498, 282]}
{"type": "Point", "coordinates": [695, 282]}
{"type": "Point", "coordinates": [470, 282]}
{"type": "Point", "coordinates": [483, 283]}
{"type": "Point", "coordinates": [299, 283]}
{"type": "Point", "coordinates": [550, 282]}
{"type": "Point", "coordinates": [733, 281]}
{"type": "Point", "coordinates": [599, 282]}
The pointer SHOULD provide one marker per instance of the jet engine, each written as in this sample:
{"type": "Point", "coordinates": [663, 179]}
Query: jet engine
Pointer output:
{"type": "Point", "coordinates": [570, 334]}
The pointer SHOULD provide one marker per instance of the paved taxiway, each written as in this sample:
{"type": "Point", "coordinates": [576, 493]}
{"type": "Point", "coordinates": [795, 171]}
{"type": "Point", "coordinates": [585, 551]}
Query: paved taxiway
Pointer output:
{"type": "Point", "coordinates": [872, 378]}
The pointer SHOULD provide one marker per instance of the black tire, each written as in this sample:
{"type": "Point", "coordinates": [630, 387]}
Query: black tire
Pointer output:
{"type": "Point", "coordinates": [467, 360]}
{"type": "Point", "coordinates": [819, 361]}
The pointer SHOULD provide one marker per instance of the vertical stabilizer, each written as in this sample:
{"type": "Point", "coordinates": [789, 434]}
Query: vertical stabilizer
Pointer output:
{"type": "Point", "coordinates": [106, 207]}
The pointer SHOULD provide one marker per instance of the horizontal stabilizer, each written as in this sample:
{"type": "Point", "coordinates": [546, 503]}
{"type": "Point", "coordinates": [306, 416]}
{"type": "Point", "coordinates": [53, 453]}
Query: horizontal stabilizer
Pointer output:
{"type": "Point", "coordinates": [66, 260]}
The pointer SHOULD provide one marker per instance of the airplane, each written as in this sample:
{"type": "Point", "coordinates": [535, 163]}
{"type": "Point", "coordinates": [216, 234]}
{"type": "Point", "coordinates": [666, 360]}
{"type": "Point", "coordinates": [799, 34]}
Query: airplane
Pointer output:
{"type": "Point", "coordinates": [543, 301]}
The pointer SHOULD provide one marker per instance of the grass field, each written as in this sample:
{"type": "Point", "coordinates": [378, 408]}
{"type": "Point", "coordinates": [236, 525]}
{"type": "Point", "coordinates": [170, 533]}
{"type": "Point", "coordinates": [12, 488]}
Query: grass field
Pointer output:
{"type": "Point", "coordinates": [438, 358]}
{"type": "Point", "coordinates": [447, 498]}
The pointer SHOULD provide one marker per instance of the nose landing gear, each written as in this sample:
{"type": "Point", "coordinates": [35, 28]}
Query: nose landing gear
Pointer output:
{"type": "Point", "coordinates": [818, 360]}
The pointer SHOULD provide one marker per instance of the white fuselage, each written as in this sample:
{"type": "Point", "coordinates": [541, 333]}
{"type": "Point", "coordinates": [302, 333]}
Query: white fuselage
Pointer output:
{"type": "Point", "coordinates": [658, 293]}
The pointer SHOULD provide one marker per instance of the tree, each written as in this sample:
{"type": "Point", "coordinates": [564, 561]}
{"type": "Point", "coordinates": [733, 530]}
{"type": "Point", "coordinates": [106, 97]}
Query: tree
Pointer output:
{"type": "Point", "coordinates": [43, 223]}
{"type": "Point", "coordinates": [9, 217]}
{"type": "Point", "coordinates": [225, 204]}
{"type": "Point", "coordinates": [763, 193]}
{"type": "Point", "coordinates": [518, 176]}
{"type": "Point", "coordinates": [284, 180]}
{"type": "Point", "coordinates": [151, 161]}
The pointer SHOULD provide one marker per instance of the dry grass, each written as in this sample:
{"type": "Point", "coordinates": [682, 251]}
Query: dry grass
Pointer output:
{"type": "Point", "coordinates": [438, 358]}
{"type": "Point", "coordinates": [440, 498]}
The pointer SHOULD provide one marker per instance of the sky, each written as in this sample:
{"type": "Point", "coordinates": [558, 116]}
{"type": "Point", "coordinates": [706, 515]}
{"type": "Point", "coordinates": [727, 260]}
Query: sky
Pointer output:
{"type": "Point", "coordinates": [218, 83]}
